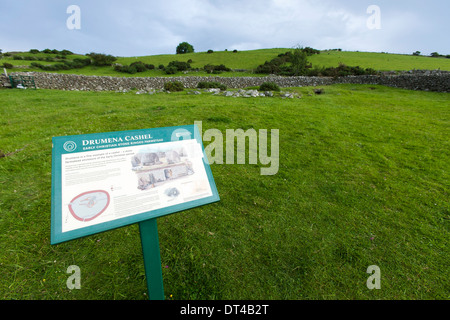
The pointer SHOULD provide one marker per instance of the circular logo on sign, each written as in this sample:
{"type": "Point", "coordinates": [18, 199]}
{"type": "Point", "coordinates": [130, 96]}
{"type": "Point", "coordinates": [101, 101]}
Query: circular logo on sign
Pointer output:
{"type": "Point", "coordinates": [180, 133]}
{"type": "Point", "coordinates": [70, 146]}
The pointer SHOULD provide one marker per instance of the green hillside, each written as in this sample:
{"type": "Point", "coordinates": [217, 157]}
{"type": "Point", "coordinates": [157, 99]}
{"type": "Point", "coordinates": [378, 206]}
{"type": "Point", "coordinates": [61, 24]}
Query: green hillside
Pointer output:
{"type": "Point", "coordinates": [235, 60]}
{"type": "Point", "coordinates": [380, 61]}
{"type": "Point", "coordinates": [241, 60]}
{"type": "Point", "coordinates": [251, 59]}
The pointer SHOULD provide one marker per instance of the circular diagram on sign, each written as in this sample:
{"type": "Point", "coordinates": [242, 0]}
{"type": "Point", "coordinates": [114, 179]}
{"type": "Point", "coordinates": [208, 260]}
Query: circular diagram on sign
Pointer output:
{"type": "Point", "coordinates": [89, 205]}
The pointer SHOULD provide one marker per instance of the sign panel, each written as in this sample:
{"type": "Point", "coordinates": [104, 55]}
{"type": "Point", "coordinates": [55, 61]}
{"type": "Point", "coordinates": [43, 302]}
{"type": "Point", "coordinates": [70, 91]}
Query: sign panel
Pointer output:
{"type": "Point", "coordinates": [109, 180]}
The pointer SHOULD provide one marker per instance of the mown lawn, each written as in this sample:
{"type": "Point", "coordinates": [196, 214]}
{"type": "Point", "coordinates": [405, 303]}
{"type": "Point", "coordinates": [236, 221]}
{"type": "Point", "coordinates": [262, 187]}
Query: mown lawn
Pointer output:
{"type": "Point", "coordinates": [363, 180]}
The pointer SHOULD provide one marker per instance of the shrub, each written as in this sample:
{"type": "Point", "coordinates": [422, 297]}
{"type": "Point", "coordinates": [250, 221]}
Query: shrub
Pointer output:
{"type": "Point", "coordinates": [342, 70]}
{"type": "Point", "coordinates": [52, 67]}
{"type": "Point", "coordinates": [210, 51]}
{"type": "Point", "coordinates": [170, 70]}
{"type": "Point", "coordinates": [100, 59]}
{"type": "Point", "coordinates": [81, 62]}
{"type": "Point", "coordinates": [34, 51]}
{"type": "Point", "coordinates": [221, 67]}
{"type": "Point", "coordinates": [274, 66]}
{"type": "Point", "coordinates": [211, 84]}
{"type": "Point", "coordinates": [209, 68]}
{"type": "Point", "coordinates": [36, 65]}
{"type": "Point", "coordinates": [291, 63]}
{"type": "Point", "coordinates": [314, 72]}
{"type": "Point", "coordinates": [66, 65]}
{"type": "Point", "coordinates": [179, 65]}
{"type": "Point", "coordinates": [129, 69]}
{"type": "Point", "coordinates": [269, 86]}
{"type": "Point", "coordinates": [62, 66]}
{"type": "Point", "coordinates": [139, 65]}
{"type": "Point", "coordinates": [174, 86]}
{"type": "Point", "coordinates": [269, 67]}
{"type": "Point", "coordinates": [310, 51]}
{"type": "Point", "coordinates": [66, 52]}
{"type": "Point", "coordinates": [7, 65]}
{"type": "Point", "coordinates": [15, 57]}
{"type": "Point", "coordinates": [78, 63]}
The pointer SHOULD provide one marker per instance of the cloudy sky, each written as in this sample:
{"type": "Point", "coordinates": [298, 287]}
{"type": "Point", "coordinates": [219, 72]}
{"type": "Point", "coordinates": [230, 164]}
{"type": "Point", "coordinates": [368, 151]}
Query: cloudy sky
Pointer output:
{"type": "Point", "coordinates": [139, 27]}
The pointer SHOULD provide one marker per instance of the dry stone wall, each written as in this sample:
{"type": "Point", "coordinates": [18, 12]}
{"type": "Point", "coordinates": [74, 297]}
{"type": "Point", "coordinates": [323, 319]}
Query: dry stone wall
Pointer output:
{"type": "Point", "coordinates": [426, 80]}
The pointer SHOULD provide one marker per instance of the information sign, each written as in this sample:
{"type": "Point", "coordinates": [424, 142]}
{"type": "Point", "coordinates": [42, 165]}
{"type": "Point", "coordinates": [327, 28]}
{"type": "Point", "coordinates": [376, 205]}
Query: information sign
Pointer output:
{"type": "Point", "coordinates": [109, 180]}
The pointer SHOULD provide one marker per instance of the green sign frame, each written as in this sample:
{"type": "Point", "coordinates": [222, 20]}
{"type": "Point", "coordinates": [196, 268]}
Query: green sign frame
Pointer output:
{"type": "Point", "coordinates": [88, 170]}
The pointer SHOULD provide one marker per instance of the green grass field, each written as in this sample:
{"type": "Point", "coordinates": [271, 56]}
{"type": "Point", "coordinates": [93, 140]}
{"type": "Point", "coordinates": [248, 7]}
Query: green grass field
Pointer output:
{"type": "Point", "coordinates": [249, 60]}
{"type": "Point", "coordinates": [363, 180]}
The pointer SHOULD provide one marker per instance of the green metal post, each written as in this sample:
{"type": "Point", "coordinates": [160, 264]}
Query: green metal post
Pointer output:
{"type": "Point", "coordinates": [152, 259]}
{"type": "Point", "coordinates": [11, 79]}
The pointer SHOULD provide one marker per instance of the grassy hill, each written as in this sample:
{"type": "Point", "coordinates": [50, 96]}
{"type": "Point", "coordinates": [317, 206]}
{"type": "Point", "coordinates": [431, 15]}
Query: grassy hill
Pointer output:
{"type": "Point", "coordinates": [251, 59]}
{"type": "Point", "coordinates": [247, 60]}
{"type": "Point", "coordinates": [380, 61]}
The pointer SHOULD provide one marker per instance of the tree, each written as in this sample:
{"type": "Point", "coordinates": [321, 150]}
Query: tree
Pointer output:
{"type": "Point", "coordinates": [299, 62]}
{"type": "Point", "coordinates": [185, 47]}
{"type": "Point", "coordinates": [417, 53]}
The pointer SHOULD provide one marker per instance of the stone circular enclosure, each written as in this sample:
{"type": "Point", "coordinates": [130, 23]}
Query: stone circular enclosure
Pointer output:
{"type": "Point", "coordinates": [89, 205]}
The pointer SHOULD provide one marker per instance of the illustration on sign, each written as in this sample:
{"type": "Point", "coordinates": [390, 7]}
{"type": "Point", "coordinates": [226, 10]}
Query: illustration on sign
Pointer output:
{"type": "Point", "coordinates": [108, 180]}
{"type": "Point", "coordinates": [155, 168]}
{"type": "Point", "coordinates": [89, 205]}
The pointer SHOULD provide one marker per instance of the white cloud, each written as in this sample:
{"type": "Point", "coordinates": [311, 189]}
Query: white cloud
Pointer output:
{"type": "Point", "coordinates": [143, 27]}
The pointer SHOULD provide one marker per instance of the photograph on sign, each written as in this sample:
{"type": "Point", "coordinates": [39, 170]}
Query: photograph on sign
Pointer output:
{"type": "Point", "coordinates": [104, 183]}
